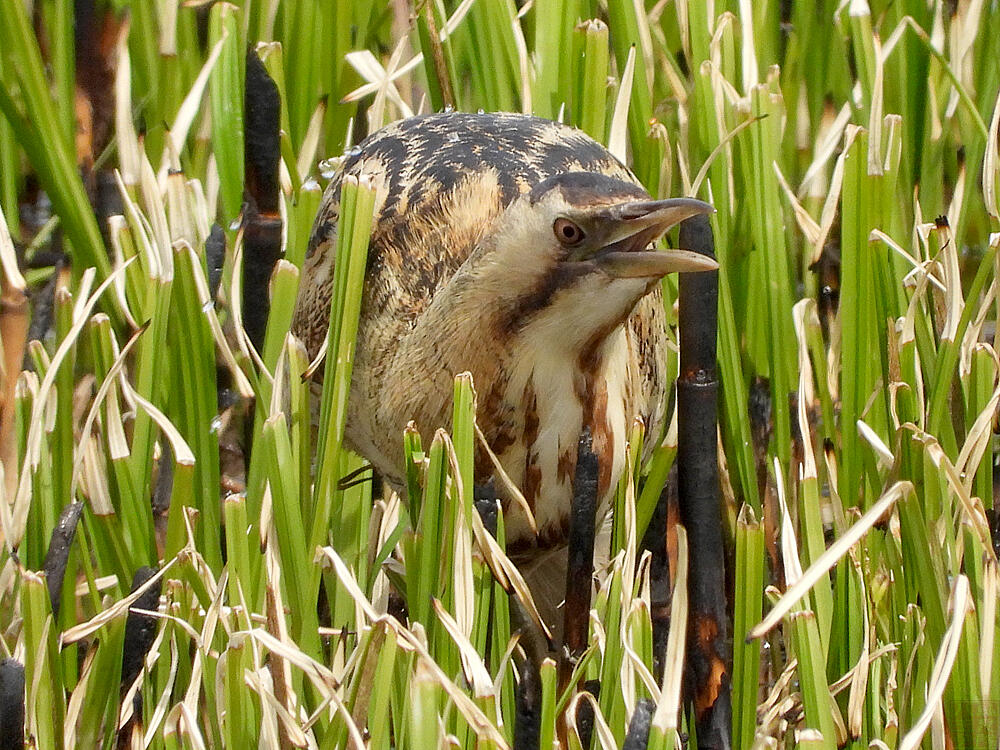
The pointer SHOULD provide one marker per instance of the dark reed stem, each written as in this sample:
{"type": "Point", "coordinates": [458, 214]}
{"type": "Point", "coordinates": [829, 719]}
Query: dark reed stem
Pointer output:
{"type": "Point", "coordinates": [215, 256]}
{"type": "Point", "coordinates": [140, 632]}
{"type": "Point", "coordinates": [140, 628]}
{"type": "Point", "coordinates": [580, 566]}
{"type": "Point", "coordinates": [528, 706]}
{"type": "Point", "coordinates": [261, 213]}
{"type": "Point", "coordinates": [637, 736]}
{"type": "Point", "coordinates": [585, 712]}
{"type": "Point", "coordinates": [708, 669]}
{"type": "Point", "coordinates": [57, 556]}
{"type": "Point", "coordinates": [11, 705]}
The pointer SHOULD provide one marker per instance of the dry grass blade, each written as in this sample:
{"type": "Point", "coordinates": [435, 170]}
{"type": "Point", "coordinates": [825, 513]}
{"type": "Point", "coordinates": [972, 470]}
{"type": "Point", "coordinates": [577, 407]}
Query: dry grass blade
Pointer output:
{"type": "Point", "coordinates": [472, 663]}
{"type": "Point", "coordinates": [875, 162]}
{"type": "Point", "coordinates": [322, 677]}
{"type": "Point", "coordinates": [717, 151]}
{"type": "Point", "coordinates": [972, 506]}
{"type": "Point", "coordinates": [329, 555]}
{"type": "Point", "coordinates": [807, 224]}
{"type": "Point", "coordinates": [789, 541]}
{"type": "Point", "coordinates": [464, 596]}
{"type": "Point", "coordinates": [307, 155]}
{"type": "Point", "coordinates": [859, 681]}
{"type": "Point", "coordinates": [925, 269]}
{"type": "Point", "coordinates": [828, 559]}
{"type": "Point", "coordinates": [988, 613]}
{"type": "Point", "coordinates": [751, 76]}
{"type": "Point", "coordinates": [181, 723]}
{"type": "Point", "coordinates": [152, 657]}
{"type": "Point", "coordinates": [524, 64]}
{"type": "Point", "coordinates": [240, 379]}
{"type": "Point", "coordinates": [77, 698]}
{"type": "Point", "coordinates": [947, 257]}
{"type": "Point", "coordinates": [991, 164]}
{"type": "Point", "coordinates": [182, 451]}
{"type": "Point", "coordinates": [159, 713]}
{"type": "Point", "coordinates": [618, 133]}
{"type": "Point", "coordinates": [129, 149]}
{"type": "Point", "coordinates": [506, 572]}
{"type": "Point", "coordinates": [94, 480]}
{"type": "Point", "coordinates": [959, 605]}
{"type": "Point", "coordinates": [33, 446]}
{"type": "Point", "coordinates": [602, 731]}
{"type": "Point", "coordinates": [832, 204]}
{"type": "Point", "coordinates": [472, 713]}
{"type": "Point", "coordinates": [177, 135]}
{"type": "Point", "coordinates": [207, 635]}
{"type": "Point", "coordinates": [668, 706]}
{"type": "Point", "coordinates": [369, 68]}
{"type": "Point", "coordinates": [39, 657]}
{"type": "Point", "coordinates": [845, 680]}
{"type": "Point", "coordinates": [978, 440]}
{"type": "Point", "coordinates": [871, 437]}
{"type": "Point", "coordinates": [236, 312]}
{"type": "Point", "coordinates": [102, 392]}
{"type": "Point", "coordinates": [508, 486]}
{"type": "Point", "coordinates": [116, 610]}
{"type": "Point", "coordinates": [376, 82]}
{"type": "Point", "coordinates": [935, 51]}
{"type": "Point", "coordinates": [639, 613]}
{"type": "Point", "coordinates": [826, 147]}
{"type": "Point", "coordinates": [293, 731]}
{"type": "Point", "coordinates": [180, 622]}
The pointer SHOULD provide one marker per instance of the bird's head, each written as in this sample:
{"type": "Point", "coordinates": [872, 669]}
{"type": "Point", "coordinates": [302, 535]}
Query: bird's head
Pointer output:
{"type": "Point", "coordinates": [576, 253]}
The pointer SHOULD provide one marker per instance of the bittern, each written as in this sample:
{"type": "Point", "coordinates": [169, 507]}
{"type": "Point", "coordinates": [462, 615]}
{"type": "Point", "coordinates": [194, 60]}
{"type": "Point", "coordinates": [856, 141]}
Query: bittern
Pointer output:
{"type": "Point", "coordinates": [522, 251]}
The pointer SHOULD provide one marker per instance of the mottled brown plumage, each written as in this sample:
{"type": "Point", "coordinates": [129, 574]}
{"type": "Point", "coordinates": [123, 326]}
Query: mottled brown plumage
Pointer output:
{"type": "Point", "coordinates": [511, 247]}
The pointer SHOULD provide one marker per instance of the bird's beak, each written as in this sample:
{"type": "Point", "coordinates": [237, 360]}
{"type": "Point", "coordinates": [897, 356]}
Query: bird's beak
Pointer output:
{"type": "Point", "coordinates": [636, 225]}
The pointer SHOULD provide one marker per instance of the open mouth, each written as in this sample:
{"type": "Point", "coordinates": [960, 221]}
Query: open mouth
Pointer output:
{"type": "Point", "coordinates": [640, 224]}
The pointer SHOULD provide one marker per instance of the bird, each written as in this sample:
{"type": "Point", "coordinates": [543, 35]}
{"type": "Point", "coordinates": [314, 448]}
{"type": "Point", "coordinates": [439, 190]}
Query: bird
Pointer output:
{"type": "Point", "coordinates": [522, 251]}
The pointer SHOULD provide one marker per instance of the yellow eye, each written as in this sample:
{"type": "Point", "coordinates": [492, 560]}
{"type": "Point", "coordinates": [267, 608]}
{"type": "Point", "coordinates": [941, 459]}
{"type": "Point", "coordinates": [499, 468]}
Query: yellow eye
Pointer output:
{"type": "Point", "coordinates": [567, 232]}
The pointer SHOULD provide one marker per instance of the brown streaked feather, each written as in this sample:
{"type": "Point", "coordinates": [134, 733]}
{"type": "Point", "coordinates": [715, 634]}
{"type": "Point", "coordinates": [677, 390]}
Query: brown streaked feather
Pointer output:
{"type": "Point", "coordinates": [442, 182]}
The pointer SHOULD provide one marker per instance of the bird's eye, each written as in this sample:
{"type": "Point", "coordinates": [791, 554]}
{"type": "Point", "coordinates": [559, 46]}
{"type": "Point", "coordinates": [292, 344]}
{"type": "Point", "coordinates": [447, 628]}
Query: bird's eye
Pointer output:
{"type": "Point", "coordinates": [567, 232]}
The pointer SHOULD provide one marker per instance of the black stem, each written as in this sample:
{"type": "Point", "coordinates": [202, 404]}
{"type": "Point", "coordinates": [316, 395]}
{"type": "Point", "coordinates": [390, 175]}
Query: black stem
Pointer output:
{"type": "Point", "coordinates": [708, 663]}
{"type": "Point", "coordinates": [580, 566]}
{"type": "Point", "coordinates": [140, 632]}
{"type": "Point", "coordinates": [528, 706]}
{"type": "Point", "coordinates": [11, 705]}
{"type": "Point", "coordinates": [57, 556]}
{"type": "Point", "coordinates": [637, 737]}
{"type": "Point", "coordinates": [261, 213]}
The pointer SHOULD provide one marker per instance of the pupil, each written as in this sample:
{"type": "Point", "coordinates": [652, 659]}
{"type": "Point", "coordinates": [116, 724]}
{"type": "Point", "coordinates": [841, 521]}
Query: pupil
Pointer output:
{"type": "Point", "coordinates": [567, 232]}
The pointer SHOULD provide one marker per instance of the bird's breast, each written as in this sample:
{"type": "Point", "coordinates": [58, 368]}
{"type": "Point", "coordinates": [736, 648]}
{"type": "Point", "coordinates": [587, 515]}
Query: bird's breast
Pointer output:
{"type": "Point", "coordinates": [559, 399]}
